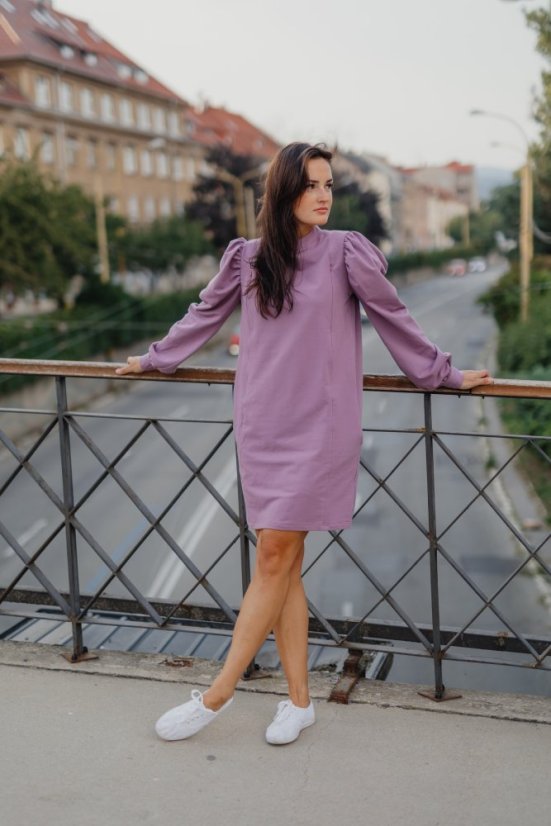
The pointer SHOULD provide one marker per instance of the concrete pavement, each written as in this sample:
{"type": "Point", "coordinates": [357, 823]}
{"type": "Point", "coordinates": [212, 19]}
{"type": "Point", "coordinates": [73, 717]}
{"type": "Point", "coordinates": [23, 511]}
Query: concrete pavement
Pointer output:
{"type": "Point", "coordinates": [78, 747]}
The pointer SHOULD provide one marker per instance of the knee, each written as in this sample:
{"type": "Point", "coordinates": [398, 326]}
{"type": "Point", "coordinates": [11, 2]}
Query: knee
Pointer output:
{"type": "Point", "coordinates": [275, 556]}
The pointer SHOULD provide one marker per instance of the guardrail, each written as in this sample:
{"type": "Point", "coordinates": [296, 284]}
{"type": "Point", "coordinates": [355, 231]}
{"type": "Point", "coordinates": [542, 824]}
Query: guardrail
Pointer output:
{"type": "Point", "coordinates": [366, 633]}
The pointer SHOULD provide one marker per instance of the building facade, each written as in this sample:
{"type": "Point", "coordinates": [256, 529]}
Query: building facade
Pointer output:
{"type": "Point", "coordinates": [90, 115]}
{"type": "Point", "coordinates": [425, 215]}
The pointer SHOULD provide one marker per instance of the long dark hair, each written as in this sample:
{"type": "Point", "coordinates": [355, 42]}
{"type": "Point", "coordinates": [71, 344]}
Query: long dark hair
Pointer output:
{"type": "Point", "coordinates": [276, 261]}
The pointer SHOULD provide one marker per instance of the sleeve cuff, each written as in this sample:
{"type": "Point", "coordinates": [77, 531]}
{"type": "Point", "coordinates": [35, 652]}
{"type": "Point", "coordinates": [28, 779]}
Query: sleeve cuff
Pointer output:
{"type": "Point", "coordinates": [145, 363]}
{"type": "Point", "coordinates": [455, 379]}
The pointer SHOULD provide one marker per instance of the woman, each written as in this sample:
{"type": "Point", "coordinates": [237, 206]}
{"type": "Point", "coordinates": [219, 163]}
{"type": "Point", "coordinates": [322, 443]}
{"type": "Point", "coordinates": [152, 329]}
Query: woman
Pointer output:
{"type": "Point", "coordinates": [297, 406]}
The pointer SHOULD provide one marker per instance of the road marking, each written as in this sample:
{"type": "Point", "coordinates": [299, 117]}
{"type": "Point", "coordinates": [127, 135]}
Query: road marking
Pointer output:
{"type": "Point", "coordinates": [183, 410]}
{"type": "Point", "coordinates": [368, 441]}
{"type": "Point", "coordinates": [25, 537]}
{"type": "Point", "coordinates": [382, 406]}
{"type": "Point", "coordinates": [170, 571]}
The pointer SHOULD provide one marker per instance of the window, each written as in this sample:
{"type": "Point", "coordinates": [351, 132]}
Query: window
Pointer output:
{"type": "Point", "coordinates": [147, 163]}
{"type": "Point", "coordinates": [71, 150]}
{"type": "Point", "coordinates": [190, 168]}
{"type": "Point", "coordinates": [160, 120]}
{"type": "Point", "coordinates": [7, 5]}
{"type": "Point", "coordinates": [91, 59]}
{"type": "Point", "coordinates": [42, 93]}
{"type": "Point", "coordinates": [22, 147]}
{"type": "Point", "coordinates": [149, 209]}
{"type": "Point", "coordinates": [174, 124]}
{"type": "Point", "coordinates": [111, 156]}
{"type": "Point", "coordinates": [144, 118]}
{"type": "Point", "coordinates": [124, 71]}
{"type": "Point", "coordinates": [133, 207]}
{"type": "Point", "coordinates": [87, 107]}
{"type": "Point", "coordinates": [66, 52]}
{"type": "Point", "coordinates": [165, 209]}
{"type": "Point", "coordinates": [177, 168]}
{"type": "Point", "coordinates": [91, 154]}
{"type": "Point", "coordinates": [69, 25]}
{"type": "Point", "coordinates": [129, 160]}
{"type": "Point", "coordinates": [47, 153]}
{"type": "Point", "coordinates": [162, 165]}
{"type": "Point", "coordinates": [65, 96]}
{"type": "Point", "coordinates": [127, 113]}
{"type": "Point", "coordinates": [107, 108]}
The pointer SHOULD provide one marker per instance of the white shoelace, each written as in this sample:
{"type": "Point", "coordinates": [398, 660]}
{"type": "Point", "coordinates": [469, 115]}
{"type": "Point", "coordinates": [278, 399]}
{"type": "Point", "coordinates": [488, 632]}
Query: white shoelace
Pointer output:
{"type": "Point", "coordinates": [283, 710]}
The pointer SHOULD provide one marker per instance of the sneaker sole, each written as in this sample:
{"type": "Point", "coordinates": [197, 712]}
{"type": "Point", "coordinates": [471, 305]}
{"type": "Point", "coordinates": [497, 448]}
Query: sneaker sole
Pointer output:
{"type": "Point", "coordinates": [287, 742]}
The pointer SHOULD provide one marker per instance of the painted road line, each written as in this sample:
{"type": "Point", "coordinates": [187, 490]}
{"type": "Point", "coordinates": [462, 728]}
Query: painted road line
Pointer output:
{"type": "Point", "coordinates": [170, 571]}
{"type": "Point", "coordinates": [118, 553]}
{"type": "Point", "coordinates": [25, 537]}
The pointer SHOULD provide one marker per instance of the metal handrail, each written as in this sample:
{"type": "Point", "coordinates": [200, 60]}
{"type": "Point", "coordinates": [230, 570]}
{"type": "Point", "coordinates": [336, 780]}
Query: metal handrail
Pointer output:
{"type": "Point", "coordinates": [504, 388]}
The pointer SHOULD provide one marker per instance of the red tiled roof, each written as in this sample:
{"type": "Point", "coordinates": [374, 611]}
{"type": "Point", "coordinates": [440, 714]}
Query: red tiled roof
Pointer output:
{"type": "Point", "coordinates": [459, 167]}
{"type": "Point", "coordinates": [454, 166]}
{"type": "Point", "coordinates": [35, 31]}
{"type": "Point", "coordinates": [214, 127]}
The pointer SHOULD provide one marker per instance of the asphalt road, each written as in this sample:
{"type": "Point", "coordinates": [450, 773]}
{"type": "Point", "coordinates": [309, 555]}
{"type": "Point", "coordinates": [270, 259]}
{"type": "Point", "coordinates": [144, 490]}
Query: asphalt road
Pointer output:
{"type": "Point", "coordinates": [385, 539]}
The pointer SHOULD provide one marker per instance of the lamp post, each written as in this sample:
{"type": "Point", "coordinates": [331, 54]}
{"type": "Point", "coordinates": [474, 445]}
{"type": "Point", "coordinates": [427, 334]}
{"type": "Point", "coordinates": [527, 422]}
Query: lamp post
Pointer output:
{"type": "Point", "coordinates": [526, 244]}
{"type": "Point", "coordinates": [101, 230]}
{"type": "Point", "coordinates": [244, 197]}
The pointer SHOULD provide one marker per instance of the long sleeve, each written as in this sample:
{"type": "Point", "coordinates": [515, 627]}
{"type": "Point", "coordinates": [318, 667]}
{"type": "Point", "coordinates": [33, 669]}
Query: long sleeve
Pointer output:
{"type": "Point", "coordinates": [218, 300]}
{"type": "Point", "coordinates": [418, 358]}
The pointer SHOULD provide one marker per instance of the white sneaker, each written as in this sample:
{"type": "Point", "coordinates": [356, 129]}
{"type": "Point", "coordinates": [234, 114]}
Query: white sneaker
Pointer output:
{"type": "Point", "coordinates": [289, 722]}
{"type": "Point", "coordinates": [183, 721]}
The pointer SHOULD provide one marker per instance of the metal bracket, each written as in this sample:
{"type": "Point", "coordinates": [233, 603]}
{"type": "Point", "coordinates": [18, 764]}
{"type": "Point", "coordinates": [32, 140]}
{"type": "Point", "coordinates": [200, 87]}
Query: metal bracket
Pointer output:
{"type": "Point", "coordinates": [431, 694]}
{"type": "Point", "coordinates": [354, 667]}
{"type": "Point", "coordinates": [79, 658]}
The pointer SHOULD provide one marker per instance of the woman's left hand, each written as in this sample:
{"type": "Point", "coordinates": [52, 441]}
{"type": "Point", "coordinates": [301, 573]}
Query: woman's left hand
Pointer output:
{"type": "Point", "coordinates": [474, 378]}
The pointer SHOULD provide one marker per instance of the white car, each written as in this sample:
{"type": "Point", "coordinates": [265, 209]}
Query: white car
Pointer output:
{"type": "Point", "coordinates": [477, 264]}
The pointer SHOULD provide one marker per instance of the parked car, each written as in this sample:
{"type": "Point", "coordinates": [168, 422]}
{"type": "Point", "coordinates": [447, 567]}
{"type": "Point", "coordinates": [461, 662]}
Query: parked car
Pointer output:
{"type": "Point", "coordinates": [457, 266]}
{"type": "Point", "coordinates": [233, 344]}
{"type": "Point", "coordinates": [477, 264]}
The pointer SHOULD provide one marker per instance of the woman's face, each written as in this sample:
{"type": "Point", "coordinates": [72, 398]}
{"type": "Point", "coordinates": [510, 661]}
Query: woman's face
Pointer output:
{"type": "Point", "coordinates": [312, 208]}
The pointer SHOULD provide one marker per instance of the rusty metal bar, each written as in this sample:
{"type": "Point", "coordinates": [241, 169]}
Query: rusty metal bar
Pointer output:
{"type": "Point", "coordinates": [79, 649]}
{"type": "Point", "coordinates": [213, 375]}
{"type": "Point", "coordinates": [439, 689]}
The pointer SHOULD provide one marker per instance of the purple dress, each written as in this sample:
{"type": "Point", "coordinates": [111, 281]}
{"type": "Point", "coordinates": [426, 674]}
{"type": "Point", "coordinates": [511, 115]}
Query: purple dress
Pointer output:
{"type": "Point", "coordinates": [298, 387]}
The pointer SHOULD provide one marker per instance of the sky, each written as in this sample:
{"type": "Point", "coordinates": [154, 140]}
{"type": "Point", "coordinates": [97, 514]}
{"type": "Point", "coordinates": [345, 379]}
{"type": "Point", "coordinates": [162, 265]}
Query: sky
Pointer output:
{"type": "Point", "coordinates": [393, 77]}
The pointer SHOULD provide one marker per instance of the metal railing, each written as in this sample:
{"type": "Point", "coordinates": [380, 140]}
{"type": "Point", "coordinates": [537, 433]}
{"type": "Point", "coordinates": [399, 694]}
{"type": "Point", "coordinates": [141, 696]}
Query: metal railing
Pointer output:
{"type": "Point", "coordinates": [405, 635]}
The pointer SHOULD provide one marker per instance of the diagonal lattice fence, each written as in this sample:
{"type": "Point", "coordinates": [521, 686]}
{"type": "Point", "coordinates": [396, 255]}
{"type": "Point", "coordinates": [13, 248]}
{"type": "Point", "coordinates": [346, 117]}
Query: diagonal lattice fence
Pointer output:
{"type": "Point", "coordinates": [412, 576]}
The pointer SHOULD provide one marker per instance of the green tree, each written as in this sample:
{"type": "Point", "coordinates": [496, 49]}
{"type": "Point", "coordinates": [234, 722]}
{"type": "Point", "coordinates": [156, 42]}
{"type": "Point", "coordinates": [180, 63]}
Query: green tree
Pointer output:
{"type": "Point", "coordinates": [166, 244]}
{"type": "Point", "coordinates": [46, 231]}
{"type": "Point", "coordinates": [540, 21]}
{"type": "Point", "coordinates": [356, 209]}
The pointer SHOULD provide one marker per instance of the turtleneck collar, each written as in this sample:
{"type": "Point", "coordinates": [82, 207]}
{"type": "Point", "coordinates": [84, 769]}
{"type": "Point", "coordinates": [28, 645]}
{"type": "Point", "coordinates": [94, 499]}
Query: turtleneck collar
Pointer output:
{"type": "Point", "coordinates": [311, 239]}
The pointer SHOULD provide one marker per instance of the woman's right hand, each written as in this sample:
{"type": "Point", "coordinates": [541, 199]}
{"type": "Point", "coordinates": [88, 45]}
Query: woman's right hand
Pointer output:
{"type": "Point", "coordinates": [133, 366]}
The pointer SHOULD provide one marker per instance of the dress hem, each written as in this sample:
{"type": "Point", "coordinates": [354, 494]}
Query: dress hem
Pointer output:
{"type": "Point", "coordinates": [294, 527]}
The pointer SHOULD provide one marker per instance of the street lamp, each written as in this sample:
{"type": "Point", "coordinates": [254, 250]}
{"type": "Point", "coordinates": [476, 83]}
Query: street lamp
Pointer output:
{"type": "Point", "coordinates": [101, 230]}
{"type": "Point", "coordinates": [526, 244]}
{"type": "Point", "coordinates": [244, 197]}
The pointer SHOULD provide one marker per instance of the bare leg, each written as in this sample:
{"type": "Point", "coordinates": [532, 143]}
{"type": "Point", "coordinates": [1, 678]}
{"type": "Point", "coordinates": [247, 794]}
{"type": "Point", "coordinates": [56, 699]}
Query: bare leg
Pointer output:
{"type": "Point", "coordinates": [275, 554]}
{"type": "Point", "coordinates": [291, 633]}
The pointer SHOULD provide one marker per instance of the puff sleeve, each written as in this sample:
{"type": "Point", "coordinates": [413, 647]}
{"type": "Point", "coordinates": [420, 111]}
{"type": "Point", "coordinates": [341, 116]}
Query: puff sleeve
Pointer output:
{"type": "Point", "coordinates": [418, 358]}
{"type": "Point", "coordinates": [217, 301]}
